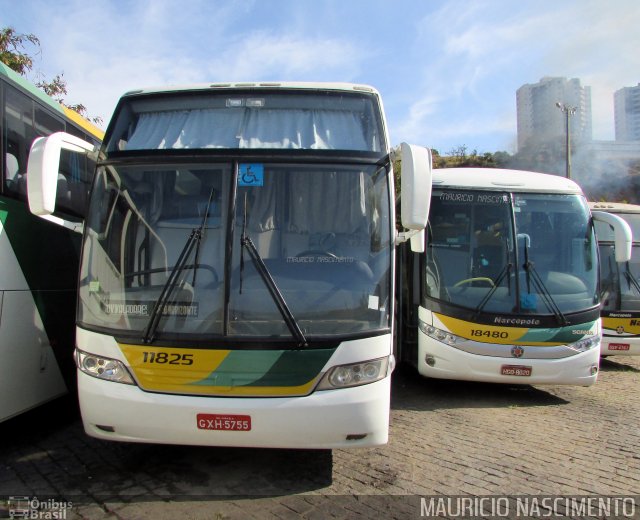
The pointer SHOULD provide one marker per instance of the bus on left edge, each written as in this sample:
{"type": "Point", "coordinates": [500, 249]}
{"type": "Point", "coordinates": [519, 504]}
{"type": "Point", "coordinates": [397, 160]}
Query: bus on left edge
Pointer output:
{"type": "Point", "coordinates": [37, 299]}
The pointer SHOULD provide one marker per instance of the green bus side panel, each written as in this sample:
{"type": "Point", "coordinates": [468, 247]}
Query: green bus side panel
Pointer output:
{"type": "Point", "coordinates": [49, 257]}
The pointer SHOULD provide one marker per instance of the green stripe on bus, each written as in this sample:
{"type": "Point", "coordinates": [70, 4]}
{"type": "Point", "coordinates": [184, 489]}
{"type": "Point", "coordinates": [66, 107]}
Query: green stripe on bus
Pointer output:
{"type": "Point", "coordinates": [272, 368]}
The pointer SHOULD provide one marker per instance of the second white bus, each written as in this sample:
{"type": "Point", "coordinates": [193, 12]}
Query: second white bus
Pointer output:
{"type": "Point", "coordinates": [507, 289]}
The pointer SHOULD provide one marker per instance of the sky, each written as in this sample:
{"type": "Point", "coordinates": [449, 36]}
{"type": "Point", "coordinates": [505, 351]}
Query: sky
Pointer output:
{"type": "Point", "coordinates": [447, 70]}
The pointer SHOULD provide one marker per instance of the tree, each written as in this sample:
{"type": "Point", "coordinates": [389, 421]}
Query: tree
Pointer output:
{"type": "Point", "coordinates": [11, 44]}
{"type": "Point", "coordinates": [58, 88]}
{"type": "Point", "coordinates": [459, 158]}
{"type": "Point", "coordinates": [12, 47]}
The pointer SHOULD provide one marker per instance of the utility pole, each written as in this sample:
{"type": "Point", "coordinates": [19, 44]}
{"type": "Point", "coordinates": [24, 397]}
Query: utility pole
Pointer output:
{"type": "Point", "coordinates": [568, 112]}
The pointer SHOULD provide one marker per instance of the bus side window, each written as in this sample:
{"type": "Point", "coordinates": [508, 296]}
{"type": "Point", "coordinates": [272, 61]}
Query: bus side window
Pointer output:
{"type": "Point", "coordinates": [18, 133]}
{"type": "Point", "coordinates": [23, 121]}
{"type": "Point", "coordinates": [11, 169]}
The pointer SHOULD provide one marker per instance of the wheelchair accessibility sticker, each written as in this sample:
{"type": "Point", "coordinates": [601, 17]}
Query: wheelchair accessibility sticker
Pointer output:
{"type": "Point", "coordinates": [250, 174]}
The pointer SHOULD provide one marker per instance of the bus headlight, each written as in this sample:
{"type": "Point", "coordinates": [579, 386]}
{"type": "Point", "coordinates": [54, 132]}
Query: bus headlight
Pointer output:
{"type": "Point", "coordinates": [438, 334]}
{"type": "Point", "coordinates": [103, 368]}
{"type": "Point", "coordinates": [585, 344]}
{"type": "Point", "coordinates": [355, 374]}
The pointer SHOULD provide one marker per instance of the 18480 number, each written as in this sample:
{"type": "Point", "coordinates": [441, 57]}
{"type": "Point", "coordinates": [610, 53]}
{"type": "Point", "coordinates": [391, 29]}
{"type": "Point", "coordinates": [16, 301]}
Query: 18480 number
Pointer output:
{"type": "Point", "coordinates": [490, 333]}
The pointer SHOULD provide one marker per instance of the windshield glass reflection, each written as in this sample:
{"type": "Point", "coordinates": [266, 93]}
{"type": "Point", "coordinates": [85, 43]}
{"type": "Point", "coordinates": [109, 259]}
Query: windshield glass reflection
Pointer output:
{"type": "Point", "coordinates": [322, 233]}
{"type": "Point", "coordinates": [511, 253]}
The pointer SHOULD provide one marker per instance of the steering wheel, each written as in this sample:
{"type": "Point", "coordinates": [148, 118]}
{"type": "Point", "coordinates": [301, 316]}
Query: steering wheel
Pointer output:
{"type": "Point", "coordinates": [316, 252]}
{"type": "Point", "coordinates": [476, 279]}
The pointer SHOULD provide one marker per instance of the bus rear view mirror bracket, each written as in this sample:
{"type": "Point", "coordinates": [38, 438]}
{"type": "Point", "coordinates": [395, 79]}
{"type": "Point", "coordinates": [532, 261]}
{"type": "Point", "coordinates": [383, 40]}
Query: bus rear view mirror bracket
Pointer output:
{"type": "Point", "coordinates": [621, 234]}
{"type": "Point", "coordinates": [42, 174]}
{"type": "Point", "coordinates": [415, 186]}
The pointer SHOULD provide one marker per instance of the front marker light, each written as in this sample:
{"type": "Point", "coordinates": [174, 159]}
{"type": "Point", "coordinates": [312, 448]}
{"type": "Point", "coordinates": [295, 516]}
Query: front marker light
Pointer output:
{"type": "Point", "coordinates": [103, 368]}
{"type": "Point", "coordinates": [439, 335]}
{"type": "Point", "coordinates": [355, 374]}
{"type": "Point", "coordinates": [585, 344]}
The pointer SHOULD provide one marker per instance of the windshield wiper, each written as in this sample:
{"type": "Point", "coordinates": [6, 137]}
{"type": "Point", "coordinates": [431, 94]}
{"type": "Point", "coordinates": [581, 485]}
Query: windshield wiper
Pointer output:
{"type": "Point", "coordinates": [506, 271]}
{"type": "Point", "coordinates": [532, 274]}
{"type": "Point", "coordinates": [276, 295]}
{"type": "Point", "coordinates": [631, 279]}
{"type": "Point", "coordinates": [194, 239]}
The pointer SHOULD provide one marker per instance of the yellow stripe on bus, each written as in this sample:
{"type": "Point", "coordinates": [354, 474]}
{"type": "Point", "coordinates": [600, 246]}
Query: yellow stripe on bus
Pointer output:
{"type": "Point", "coordinates": [183, 370]}
{"type": "Point", "coordinates": [81, 121]}
{"type": "Point", "coordinates": [482, 332]}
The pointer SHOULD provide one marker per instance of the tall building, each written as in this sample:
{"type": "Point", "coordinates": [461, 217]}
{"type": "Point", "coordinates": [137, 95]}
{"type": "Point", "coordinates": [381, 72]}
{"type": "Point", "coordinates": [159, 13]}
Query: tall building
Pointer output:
{"type": "Point", "coordinates": [540, 120]}
{"type": "Point", "coordinates": [626, 102]}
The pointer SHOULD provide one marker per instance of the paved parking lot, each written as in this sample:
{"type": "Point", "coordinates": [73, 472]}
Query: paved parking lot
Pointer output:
{"type": "Point", "coordinates": [447, 439]}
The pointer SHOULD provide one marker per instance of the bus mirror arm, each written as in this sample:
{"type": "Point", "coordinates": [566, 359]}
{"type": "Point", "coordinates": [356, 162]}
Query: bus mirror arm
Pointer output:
{"type": "Point", "coordinates": [621, 232]}
{"type": "Point", "coordinates": [78, 227]}
{"type": "Point", "coordinates": [416, 236]}
{"type": "Point", "coordinates": [42, 173]}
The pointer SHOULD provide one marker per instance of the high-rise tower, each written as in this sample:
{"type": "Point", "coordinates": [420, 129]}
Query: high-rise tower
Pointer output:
{"type": "Point", "coordinates": [540, 120]}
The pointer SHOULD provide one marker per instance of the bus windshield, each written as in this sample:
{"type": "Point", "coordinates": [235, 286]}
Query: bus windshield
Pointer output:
{"type": "Point", "coordinates": [332, 267]}
{"type": "Point", "coordinates": [620, 283]}
{"type": "Point", "coordinates": [511, 253]}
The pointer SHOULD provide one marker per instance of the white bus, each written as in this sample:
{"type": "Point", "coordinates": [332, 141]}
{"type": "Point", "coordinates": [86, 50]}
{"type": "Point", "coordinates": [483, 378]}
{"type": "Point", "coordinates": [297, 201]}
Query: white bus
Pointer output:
{"type": "Point", "coordinates": [619, 284]}
{"type": "Point", "coordinates": [507, 289]}
{"type": "Point", "coordinates": [37, 300]}
{"type": "Point", "coordinates": [236, 282]}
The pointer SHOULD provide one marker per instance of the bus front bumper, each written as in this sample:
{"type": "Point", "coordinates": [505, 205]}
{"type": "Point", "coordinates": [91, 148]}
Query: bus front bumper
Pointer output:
{"type": "Point", "coordinates": [437, 360]}
{"type": "Point", "coordinates": [350, 417]}
{"type": "Point", "coordinates": [622, 346]}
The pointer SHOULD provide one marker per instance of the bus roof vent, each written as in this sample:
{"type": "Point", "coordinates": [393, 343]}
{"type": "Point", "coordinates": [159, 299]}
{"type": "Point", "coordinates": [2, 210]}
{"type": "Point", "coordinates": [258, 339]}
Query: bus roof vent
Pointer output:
{"type": "Point", "coordinates": [496, 183]}
{"type": "Point", "coordinates": [362, 88]}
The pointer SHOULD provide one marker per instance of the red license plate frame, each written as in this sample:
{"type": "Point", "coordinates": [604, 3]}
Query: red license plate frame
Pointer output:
{"type": "Point", "coordinates": [516, 370]}
{"type": "Point", "coordinates": [619, 346]}
{"type": "Point", "coordinates": [223, 422]}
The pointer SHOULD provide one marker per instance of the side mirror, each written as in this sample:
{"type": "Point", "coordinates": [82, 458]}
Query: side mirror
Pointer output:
{"type": "Point", "coordinates": [415, 186]}
{"type": "Point", "coordinates": [42, 172]}
{"type": "Point", "coordinates": [621, 234]}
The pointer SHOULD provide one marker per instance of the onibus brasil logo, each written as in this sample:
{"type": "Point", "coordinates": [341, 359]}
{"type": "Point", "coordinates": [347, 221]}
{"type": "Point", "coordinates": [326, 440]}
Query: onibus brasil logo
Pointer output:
{"type": "Point", "coordinates": [32, 507]}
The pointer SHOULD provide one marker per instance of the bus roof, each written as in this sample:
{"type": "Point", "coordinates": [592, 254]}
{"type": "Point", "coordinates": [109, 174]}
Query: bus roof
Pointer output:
{"type": "Point", "coordinates": [22, 83]}
{"type": "Point", "coordinates": [502, 179]}
{"type": "Point", "coordinates": [614, 207]}
{"type": "Point", "coordinates": [34, 91]}
{"type": "Point", "coordinates": [260, 85]}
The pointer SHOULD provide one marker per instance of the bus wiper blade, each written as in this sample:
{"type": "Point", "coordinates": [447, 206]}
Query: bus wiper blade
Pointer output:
{"type": "Point", "coordinates": [194, 239]}
{"type": "Point", "coordinates": [544, 292]}
{"type": "Point", "coordinates": [203, 225]}
{"type": "Point", "coordinates": [506, 271]}
{"type": "Point", "coordinates": [532, 274]}
{"type": "Point", "coordinates": [632, 279]}
{"type": "Point", "coordinates": [276, 295]}
{"type": "Point", "coordinates": [172, 281]}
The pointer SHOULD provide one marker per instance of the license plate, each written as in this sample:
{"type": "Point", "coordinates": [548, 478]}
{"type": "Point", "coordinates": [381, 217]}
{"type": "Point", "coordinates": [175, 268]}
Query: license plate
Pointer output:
{"type": "Point", "coordinates": [224, 422]}
{"type": "Point", "coordinates": [619, 346]}
{"type": "Point", "coordinates": [515, 370]}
